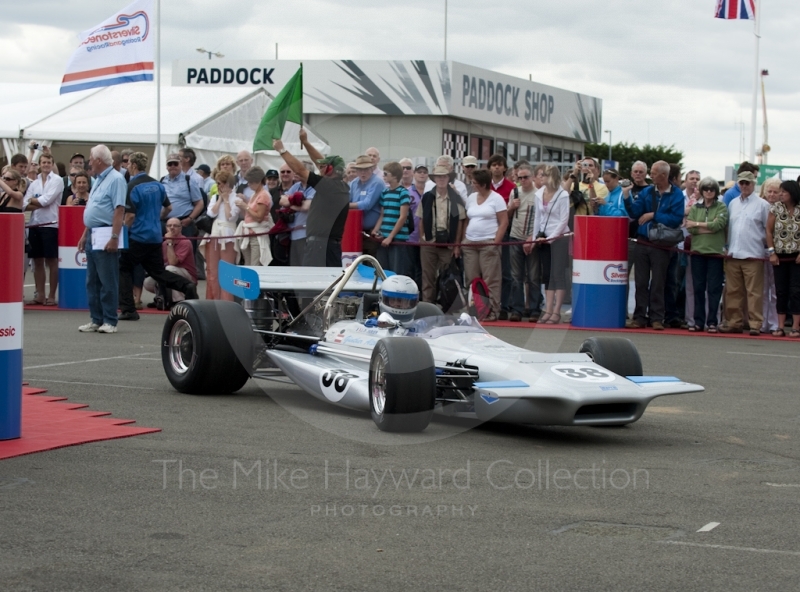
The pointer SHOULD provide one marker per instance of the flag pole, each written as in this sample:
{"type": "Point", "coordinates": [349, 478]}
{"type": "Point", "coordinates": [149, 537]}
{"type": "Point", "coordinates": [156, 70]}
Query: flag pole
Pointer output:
{"type": "Point", "coordinates": [756, 73]}
{"type": "Point", "coordinates": [158, 90]}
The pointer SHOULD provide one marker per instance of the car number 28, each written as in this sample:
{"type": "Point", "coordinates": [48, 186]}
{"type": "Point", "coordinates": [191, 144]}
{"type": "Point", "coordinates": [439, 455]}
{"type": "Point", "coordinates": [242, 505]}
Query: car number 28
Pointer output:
{"type": "Point", "coordinates": [582, 372]}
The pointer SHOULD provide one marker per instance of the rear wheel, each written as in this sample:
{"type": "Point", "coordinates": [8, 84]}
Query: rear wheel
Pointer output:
{"type": "Point", "coordinates": [614, 353]}
{"type": "Point", "coordinates": [207, 347]}
{"type": "Point", "coordinates": [402, 384]}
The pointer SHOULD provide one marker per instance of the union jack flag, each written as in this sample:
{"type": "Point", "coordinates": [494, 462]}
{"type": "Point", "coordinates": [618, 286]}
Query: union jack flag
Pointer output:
{"type": "Point", "coordinates": [736, 9]}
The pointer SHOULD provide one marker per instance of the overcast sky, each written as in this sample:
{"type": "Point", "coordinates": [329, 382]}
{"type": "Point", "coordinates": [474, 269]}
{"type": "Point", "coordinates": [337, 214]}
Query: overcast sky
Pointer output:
{"type": "Point", "coordinates": [668, 72]}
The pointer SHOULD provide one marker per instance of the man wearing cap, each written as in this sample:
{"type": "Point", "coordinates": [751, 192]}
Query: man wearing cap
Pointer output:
{"type": "Point", "coordinates": [327, 214]}
{"type": "Point", "coordinates": [442, 215]}
{"type": "Point", "coordinates": [204, 172]}
{"type": "Point", "coordinates": [272, 182]}
{"type": "Point", "coordinates": [184, 194]}
{"type": "Point", "coordinates": [365, 195]}
{"type": "Point", "coordinates": [744, 271]}
{"type": "Point", "coordinates": [611, 204]}
{"type": "Point", "coordinates": [469, 164]}
{"type": "Point", "coordinates": [734, 190]}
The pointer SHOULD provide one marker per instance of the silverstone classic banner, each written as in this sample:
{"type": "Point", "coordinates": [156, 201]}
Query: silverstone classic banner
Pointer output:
{"type": "Point", "coordinates": [118, 50]}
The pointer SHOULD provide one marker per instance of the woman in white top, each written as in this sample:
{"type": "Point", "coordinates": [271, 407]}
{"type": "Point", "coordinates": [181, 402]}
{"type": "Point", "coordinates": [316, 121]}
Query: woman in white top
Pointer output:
{"type": "Point", "coordinates": [225, 212]}
{"type": "Point", "coordinates": [487, 221]}
{"type": "Point", "coordinates": [551, 222]}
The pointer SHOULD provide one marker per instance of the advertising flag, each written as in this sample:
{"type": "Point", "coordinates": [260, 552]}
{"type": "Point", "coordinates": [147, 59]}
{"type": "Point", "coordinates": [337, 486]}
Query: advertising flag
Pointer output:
{"type": "Point", "coordinates": [736, 9]}
{"type": "Point", "coordinates": [287, 106]}
{"type": "Point", "coordinates": [118, 50]}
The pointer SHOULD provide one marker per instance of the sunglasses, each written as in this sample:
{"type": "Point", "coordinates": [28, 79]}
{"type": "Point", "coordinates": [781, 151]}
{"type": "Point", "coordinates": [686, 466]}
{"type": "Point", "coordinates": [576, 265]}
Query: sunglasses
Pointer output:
{"type": "Point", "coordinates": [73, 174]}
{"type": "Point", "coordinates": [744, 182]}
{"type": "Point", "coordinates": [707, 189]}
{"type": "Point", "coordinates": [9, 179]}
{"type": "Point", "coordinates": [470, 166]}
{"type": "Point", "coordinates": [173, 163]}
{"type": "Point", "coordinates": [407, 168]}
{"type": "Point", "coordinates": [523, 177]}
{"type": "Point", "coordinates": [286, 172]}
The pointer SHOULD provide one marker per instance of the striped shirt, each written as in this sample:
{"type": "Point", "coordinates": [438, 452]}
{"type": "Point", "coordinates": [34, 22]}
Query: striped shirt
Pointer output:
{"type": "Point", "coordinates": [391, 201]}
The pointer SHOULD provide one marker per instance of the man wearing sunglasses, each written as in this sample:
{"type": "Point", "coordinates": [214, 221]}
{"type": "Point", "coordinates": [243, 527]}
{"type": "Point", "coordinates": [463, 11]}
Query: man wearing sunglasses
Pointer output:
{"type": "Point", "coordinates": [744, 272]}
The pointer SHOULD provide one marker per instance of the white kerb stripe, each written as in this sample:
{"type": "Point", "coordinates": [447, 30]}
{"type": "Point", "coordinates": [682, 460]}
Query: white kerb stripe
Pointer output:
{"type": "Point", "coordinates": [70, 258]}
{"type": "Point", "coordinates": [602, 273]}
{"type": "Point", "coordinates": [10, 326]}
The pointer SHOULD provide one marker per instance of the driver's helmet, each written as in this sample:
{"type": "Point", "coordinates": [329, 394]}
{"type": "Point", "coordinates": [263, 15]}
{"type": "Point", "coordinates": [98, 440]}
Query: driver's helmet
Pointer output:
{"type": "Point", "coordinates": [399, 297]}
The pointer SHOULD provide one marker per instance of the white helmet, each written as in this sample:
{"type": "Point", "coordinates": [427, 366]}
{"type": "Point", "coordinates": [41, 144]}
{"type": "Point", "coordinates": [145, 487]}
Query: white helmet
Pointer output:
{"type": "Point", "coordinates": [399, 297]}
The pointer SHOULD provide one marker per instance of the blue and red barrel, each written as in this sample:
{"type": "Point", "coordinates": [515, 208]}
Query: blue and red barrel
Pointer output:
{"type": "Point", "coordinates": [600, 272]}
{"type": "Point", "coordinates": [12, 245]}
{"type": "Point", "coordinates": [71, 263]}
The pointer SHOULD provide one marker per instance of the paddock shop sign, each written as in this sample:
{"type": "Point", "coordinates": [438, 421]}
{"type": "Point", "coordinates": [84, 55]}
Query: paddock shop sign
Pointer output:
{"type": "Point", "coordinates": [410, 87]}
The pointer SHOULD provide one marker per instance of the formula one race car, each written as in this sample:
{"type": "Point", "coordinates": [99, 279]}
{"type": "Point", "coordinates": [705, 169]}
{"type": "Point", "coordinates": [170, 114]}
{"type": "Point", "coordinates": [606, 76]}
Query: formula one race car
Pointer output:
{"type": "Point", "coordinates": [338, 350]}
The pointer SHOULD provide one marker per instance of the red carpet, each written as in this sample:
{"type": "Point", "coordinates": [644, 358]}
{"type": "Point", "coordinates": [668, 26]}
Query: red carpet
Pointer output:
{"type": "Point", "coordinates": [47, 424]}
{"type": "Point", "coordinates": [566, 326]}
{"type": "Point", "coordinates": [43, 307]}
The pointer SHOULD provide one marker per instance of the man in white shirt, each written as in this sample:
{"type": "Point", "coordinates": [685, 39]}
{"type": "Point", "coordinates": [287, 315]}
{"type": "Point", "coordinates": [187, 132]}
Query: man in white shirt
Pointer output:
{"type": "Point", "coordinates": [43, 198]}
{"type": "Point", "coordinates": [744, 272]}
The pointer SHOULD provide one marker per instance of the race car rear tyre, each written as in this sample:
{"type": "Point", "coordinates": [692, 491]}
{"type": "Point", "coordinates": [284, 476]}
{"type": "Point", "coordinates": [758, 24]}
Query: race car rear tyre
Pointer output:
{"type": "Point", "coordinates": [402, 384]}
{"type": "Point", "coordinates": [614, 353]}
{"type": "Point", "coordinates": [207, 347]}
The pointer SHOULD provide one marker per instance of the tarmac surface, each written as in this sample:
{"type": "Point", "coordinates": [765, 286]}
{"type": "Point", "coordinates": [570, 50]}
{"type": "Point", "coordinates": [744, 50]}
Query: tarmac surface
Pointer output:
{"type": "Point", "coordinates": [268, 489]}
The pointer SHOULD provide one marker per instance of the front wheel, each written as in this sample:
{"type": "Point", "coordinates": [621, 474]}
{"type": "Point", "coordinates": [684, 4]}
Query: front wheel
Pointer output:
{"type": "Point", "coordinates": [207, 347]}
{"type": "Point", "coordinates": [614, 353]}
{"type": "Point", "coordinates": [402, 384]}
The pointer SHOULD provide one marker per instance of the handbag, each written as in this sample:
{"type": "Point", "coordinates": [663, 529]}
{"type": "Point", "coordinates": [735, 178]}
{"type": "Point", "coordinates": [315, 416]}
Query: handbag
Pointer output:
{"type": "Point", "coordinates": [661, 235]}
{"type": "Point", "coordinates": [204, 222]}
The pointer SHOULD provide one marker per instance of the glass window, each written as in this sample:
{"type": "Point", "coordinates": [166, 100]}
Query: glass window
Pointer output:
{"type": "Point", "coordinates": [481, 148]}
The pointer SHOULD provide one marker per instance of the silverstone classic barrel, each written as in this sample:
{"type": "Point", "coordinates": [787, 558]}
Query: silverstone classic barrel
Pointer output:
{"type": "Point", "coordinates": [12, 245]}
{"type": "Point", "coordinates": [71, 263]}
{"type": "Point", "coordinates": [600, 272]}
{"type": "Point", "coordinates": [352, 239]}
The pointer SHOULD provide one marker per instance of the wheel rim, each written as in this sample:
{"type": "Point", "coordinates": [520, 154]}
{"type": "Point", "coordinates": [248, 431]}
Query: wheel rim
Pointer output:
{"type": "Point", "coordinates": [181, 347]}
{"type": "Point", "coordinates": [379, 385]}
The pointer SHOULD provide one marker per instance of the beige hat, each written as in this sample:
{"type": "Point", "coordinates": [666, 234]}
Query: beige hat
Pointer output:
{"type": "Point", "coordinates": [440, 171]}
{"type": "Point", "coordinates": [364, 162]}
{"type": "Point", "coordinates": [174, 157]}
{"type": "Point", "coordinates": [469, 161]}
{"type": "Point", "coordinates": [746, 176]}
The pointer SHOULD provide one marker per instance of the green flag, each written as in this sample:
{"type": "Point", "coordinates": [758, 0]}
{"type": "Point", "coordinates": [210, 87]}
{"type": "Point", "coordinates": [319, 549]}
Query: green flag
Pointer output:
{"type": "Point", "coordinates": [287, 106]}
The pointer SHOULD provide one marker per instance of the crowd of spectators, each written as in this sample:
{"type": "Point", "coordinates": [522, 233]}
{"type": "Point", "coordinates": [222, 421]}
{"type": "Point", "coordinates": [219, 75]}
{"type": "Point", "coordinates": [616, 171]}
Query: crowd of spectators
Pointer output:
{"type": "Point", "coordinates": [733, 266]}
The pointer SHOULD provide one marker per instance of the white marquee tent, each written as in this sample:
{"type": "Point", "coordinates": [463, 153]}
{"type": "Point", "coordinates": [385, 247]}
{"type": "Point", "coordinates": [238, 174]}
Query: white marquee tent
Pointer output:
{"type": "Point", "coordinates": [212, 121]}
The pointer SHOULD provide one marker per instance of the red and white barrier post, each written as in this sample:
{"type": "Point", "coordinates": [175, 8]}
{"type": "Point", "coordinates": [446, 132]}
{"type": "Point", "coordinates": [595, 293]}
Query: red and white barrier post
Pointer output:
{"type": "Point", "coordinates": [12, 245]}
{"type": "Point", "coordinates": [71, 264]}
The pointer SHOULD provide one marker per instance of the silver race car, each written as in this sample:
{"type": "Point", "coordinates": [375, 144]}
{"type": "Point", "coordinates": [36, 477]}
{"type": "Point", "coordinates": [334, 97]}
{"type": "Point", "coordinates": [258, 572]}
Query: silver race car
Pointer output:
{"type": "Point", "coordinates": [336, 349]}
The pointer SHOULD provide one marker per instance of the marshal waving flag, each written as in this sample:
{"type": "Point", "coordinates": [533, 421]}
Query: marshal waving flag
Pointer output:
{"type": "Point", "coordinates": [118, 50]}
{"type": "Point", "coordinates": [736, 9]}
{"type": "Point", "coordinates": [286, 106]}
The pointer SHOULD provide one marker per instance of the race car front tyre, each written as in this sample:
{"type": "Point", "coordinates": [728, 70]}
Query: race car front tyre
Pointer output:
{"type": "Point", "coordinates": [614, 353]}
{"type": "Point", "coordinates": [402, 384]}
{"type": "Point", "coordinates": [207, 347]}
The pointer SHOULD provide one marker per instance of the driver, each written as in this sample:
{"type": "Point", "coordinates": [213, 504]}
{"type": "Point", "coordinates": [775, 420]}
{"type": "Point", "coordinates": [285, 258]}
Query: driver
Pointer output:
{"type": "Point", "coordinates": [399, 297]}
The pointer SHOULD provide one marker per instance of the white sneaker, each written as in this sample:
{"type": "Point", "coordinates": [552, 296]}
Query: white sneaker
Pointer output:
{"type": "Point", "coordinates": [89, 328]}
{"type": "Point", "coordinates": [106, 328]}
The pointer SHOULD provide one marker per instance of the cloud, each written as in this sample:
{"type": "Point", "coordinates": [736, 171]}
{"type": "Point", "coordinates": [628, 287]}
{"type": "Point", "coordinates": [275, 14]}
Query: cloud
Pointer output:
{"type": "Point", "coordinates": [667, 73]}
